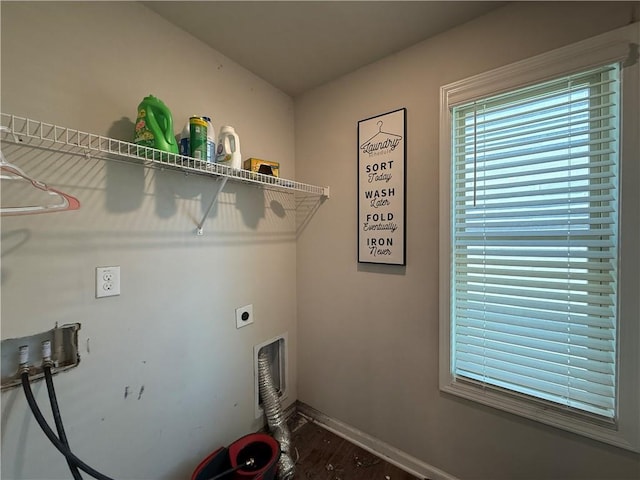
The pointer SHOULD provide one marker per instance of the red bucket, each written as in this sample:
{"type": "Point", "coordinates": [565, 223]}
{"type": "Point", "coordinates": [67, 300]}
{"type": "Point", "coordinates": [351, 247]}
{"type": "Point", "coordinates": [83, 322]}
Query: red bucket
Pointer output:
{"type": "Point", "coordinates": [262, 448]}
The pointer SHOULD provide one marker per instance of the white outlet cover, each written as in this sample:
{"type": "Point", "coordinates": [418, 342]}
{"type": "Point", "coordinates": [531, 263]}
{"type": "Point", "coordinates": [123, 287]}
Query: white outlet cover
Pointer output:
{"type": "Point", "coordinates": [107, 281]}
{"type": "Point", "coordinates": [244, 316]}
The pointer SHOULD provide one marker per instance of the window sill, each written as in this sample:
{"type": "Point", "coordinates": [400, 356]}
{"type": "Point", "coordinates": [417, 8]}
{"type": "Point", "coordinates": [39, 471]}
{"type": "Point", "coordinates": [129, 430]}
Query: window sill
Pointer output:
{"type": "Point", "coordinates": [566, 419]}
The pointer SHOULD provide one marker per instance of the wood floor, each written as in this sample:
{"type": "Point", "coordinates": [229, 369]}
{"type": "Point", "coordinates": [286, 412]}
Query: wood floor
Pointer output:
{"type": "Point", "coordinates": [322, 455]}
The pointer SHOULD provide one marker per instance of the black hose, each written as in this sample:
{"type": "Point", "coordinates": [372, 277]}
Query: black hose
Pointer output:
{"type": "Point", "coordinates": [55, 409]}
{"type": "Point", "coordinates": [26, 386]}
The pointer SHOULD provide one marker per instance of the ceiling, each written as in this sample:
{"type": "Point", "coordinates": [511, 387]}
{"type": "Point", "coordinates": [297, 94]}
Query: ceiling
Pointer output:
{"type": "Point", "coordinates": [299, 45]}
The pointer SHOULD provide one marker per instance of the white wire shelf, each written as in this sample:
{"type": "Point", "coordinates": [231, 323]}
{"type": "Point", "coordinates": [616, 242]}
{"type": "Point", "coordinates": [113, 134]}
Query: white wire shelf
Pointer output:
{"type": "Point", "coordinates": [25, 131]}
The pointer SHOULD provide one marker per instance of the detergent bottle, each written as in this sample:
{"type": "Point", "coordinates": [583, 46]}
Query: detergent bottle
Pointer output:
{"type": "Point", "coordinates": [211, 141]}
{"type": "Point", "coordinates": [228, 152]}
{"type": "Point", "coordinates": [154, 126]}
{"type": "Point", "coordinates": [184, 146]}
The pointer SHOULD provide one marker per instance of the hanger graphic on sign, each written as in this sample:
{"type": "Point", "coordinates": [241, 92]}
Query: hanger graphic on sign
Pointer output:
{"type": "Point", "coordinates": [381, 132]}
{"type": "Point", "coordinates": [61, 201]}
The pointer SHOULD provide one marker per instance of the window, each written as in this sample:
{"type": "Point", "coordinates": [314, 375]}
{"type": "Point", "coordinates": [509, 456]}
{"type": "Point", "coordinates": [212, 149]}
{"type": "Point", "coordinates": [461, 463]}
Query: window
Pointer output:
{"type": "Point", "coordinates": [538, 241]}
{"type": "Point", "coordinates": [534, 240]}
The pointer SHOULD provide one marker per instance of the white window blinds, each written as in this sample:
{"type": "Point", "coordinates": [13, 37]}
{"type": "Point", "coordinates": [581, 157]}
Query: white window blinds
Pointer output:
{"type": "Point", "coordinates": [534, 229]}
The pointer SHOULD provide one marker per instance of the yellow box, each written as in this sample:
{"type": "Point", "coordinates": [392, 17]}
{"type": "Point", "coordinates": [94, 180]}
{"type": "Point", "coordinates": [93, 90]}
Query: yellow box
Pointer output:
{"type": "Point", "coordinates": [269, 168]}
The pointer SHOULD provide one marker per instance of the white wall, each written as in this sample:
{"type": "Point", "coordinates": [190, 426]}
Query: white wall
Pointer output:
{"type": "Point", "coordinates": [172, 330]}
{"type": "Point", "coordinates": [368, 335]}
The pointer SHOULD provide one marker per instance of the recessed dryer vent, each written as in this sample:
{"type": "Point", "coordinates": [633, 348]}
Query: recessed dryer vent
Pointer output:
{"type": "Point", "coordinates": [276, 350]}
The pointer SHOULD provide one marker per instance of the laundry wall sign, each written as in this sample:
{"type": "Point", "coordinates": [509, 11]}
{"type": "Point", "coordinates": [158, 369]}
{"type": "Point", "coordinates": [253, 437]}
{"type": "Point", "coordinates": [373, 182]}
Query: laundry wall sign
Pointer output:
{"type": "Point", "coordinates": [382, 161]}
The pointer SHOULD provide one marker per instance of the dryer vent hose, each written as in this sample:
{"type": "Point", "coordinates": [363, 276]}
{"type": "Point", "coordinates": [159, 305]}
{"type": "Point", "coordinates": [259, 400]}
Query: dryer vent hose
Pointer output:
{"type": "Point", "coordinates": [275, 417]}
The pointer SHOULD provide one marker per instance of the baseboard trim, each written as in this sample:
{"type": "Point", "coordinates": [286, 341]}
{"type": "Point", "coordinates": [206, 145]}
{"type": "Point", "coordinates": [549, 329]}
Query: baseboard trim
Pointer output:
{"type": "Point", "coordinates": [383, 450]}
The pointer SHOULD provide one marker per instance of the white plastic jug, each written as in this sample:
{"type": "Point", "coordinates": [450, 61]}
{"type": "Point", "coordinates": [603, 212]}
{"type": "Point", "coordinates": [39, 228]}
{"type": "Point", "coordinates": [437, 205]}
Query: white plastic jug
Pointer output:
{"type": "Point", "coordinates": [228, 152]}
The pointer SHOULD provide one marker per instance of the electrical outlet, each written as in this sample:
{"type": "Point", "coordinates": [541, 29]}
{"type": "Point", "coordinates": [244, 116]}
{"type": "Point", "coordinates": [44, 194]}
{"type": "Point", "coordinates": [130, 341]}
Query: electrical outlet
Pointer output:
{"type": "Point", "coordinates": [107, 281]}
{"type": "Point", "coordinates": [244, 316]}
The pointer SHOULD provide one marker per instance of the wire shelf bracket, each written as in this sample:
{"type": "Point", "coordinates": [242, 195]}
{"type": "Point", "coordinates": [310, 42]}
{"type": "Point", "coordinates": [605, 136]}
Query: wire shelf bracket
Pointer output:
{"type": "Point", "coordinates": [223, 182]}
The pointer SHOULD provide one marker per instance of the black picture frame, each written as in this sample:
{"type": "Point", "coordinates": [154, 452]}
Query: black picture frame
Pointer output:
{"type": "Point", "coordinates": [382, 163]}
